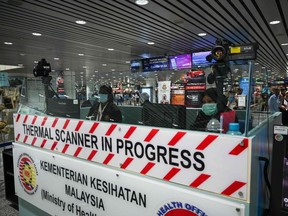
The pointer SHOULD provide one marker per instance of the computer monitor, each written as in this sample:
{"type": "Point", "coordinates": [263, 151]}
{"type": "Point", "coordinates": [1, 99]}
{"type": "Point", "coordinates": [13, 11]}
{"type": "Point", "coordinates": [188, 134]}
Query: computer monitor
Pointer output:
{"type": "Point", "coordinates": [68, 108]}
{"type": "Point", "coordinates": [164, 115]}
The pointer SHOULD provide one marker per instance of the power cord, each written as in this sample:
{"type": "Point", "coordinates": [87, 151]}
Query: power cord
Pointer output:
{"type": "Point", "coordinates": [266, 179]}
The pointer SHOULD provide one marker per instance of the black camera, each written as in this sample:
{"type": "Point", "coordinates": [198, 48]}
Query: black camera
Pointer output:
{"type": "Point", "coordinates": [220, 52]}
{"type": "Point", "coordinates": [43, 68]}
{"type": "Point", "coordinates": [225, 51]}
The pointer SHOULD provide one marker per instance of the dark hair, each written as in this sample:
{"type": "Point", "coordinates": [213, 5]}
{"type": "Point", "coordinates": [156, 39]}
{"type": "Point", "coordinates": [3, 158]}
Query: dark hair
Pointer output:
{"type": "Point", "coordinates": [220, 99]}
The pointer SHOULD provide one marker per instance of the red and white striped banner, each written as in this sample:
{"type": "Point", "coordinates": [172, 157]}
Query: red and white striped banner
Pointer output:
{"type": "Point", "coordinates": [211, 162]}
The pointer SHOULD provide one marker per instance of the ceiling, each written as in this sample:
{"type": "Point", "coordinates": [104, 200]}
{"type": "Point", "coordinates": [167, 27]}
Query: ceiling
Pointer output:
{"type": "Point", "coordinates": [173, 25]}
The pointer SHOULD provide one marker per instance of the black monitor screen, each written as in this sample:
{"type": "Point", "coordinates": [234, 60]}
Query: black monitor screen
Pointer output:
{"type": "Point", "coordinates": [164, 115]}
{"type": "Point", "coordinates": [68, 108]}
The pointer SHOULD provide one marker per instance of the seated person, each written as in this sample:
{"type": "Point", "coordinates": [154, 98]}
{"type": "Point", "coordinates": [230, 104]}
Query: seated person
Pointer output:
{"type": "Point", "coordinates": [213, 106]}
{"type": "Point", "coordinates": [147, 108]}
{"type": "Point", "coordinates": [105, 109]}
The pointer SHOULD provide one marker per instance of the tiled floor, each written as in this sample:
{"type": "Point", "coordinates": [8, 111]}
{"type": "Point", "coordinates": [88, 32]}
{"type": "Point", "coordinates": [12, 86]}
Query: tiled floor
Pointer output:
{"type": "Point", "coordinates": [6, 208]}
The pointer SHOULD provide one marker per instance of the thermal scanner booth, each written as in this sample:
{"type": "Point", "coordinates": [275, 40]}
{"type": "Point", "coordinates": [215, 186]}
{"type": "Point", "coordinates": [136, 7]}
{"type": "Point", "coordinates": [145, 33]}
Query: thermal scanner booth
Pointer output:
{"type": "Point", "coordinates": [67, 166]}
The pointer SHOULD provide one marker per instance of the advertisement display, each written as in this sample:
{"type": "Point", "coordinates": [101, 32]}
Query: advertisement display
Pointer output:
{"type": "Point", "coordinates": [244, 84]}
{"type": "Point", "coordinates": [192, 159]}
{"type": "Point", "coordinates": [178, 94]}
{"type": "Point", "coordinates": [164, 88]}
{"type": "Point", "coordinates": [155, 64]}
{"type": "Point", "coordinates": [199, 59]}
{"type": "Point", "coordinates": [63, 185]}
{"type": "Point", "coordinates": [183, 61]}
{"type": "Point", "coordinates": [195, 87]}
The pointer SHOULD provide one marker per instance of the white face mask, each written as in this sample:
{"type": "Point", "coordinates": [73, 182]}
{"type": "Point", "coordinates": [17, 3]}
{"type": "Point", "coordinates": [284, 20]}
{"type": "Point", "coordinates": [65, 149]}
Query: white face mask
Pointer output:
{"type": "Point", "coordinates": [103, 98]}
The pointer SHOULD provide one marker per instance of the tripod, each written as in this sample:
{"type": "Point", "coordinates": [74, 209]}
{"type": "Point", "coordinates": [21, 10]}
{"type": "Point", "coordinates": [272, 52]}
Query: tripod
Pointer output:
{"type": "Point", "coordinates": [49, 93]}
{"type": "Point", "coordinates": [48, 90]}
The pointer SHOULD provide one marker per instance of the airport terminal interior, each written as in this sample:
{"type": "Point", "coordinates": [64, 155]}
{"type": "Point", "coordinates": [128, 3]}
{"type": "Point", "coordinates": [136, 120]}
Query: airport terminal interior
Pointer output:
{"type": "Point", "coordinates": [158, 61]}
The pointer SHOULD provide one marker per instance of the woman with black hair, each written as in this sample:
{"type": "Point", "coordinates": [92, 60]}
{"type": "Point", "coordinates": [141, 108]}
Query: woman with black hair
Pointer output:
{"type": "Point", "coordinates": [105, 109]}
{"type": "Point", "coordinates": [213, 105]}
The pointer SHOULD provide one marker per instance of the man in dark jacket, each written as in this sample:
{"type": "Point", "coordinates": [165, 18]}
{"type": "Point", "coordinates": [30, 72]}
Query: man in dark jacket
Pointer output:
{"type": "Point", "coordinates": [106, 109]}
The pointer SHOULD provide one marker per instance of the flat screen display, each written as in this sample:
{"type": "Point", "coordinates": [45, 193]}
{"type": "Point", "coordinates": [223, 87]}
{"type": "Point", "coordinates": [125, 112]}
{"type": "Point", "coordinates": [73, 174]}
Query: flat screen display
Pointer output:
{"type": "Point", "coordinates": [136, 65]}
{"type": "Point", "coordinates": [155, 64]}
{"type": "Point", "coordinates": [69, 108]}
{"type": "Point", "coordinates": [199, 59]}
{"type": "Point", "coordinates": [183, 61]}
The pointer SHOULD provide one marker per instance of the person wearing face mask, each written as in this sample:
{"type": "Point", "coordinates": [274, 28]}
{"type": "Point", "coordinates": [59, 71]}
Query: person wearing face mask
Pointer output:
{"type": "Point", "coordinates": [105, 109]}
{"type": "Point", "coordinates": [213, 106]}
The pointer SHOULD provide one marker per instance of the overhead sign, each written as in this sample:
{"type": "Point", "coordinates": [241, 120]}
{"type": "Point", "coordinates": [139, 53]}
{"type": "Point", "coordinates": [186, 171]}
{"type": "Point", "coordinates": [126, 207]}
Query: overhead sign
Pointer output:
{"type": "Point", "coordinates": [62, 185]}
{"type": "Point", "coordinates": [194, 159]}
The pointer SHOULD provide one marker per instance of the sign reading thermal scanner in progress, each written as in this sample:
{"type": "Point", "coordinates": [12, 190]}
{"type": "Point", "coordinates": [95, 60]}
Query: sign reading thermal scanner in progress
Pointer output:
{"type": "Point", "coordinates": [62, 185]}
{"type": "Point", "coordinates": [198, 160]}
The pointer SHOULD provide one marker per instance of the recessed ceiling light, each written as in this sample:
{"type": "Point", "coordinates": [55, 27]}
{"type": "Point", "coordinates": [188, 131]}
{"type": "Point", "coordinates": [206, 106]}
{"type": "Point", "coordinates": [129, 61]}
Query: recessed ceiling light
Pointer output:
{"type": "Point", "coordinates": [112, 69]}
{"type": "Point", "coordinates": [8, 43]}
{"type": "Point", "coordinates": [284, 44]}
{"type": "Point", "coordinates": [67, 69]}
{"type": "Point", "coordinates": [151, 43]}
{"type": "Point", "coordinates": [274, 22]}
{"type": "Point", "coordinates": [104, 65]}
{"type": "Point", "coordinates": [80, 22]}
{"type": "Point", "coordinates": [80, 54]}
{"type": "Point", "coordinates": [127, 62]}
{"type": "Point", "coordinates": [141, 2]}
{"type": "Point", "coordinates": [22, 54]}
{"type": "Point", "coordinates": [36, 62]}
{"type": "Point", "coordinates": [84, 67]}
{"type": "Point", "coordinates": [110, 49]}
{"type": "Point", "coordinates": [96, 71]}
{"type": "Point", "coordinates": [36, 34]}
{"type": "Point", "coordinates": [202, 34]}
{"type": "Point", "coordinates": [56, 59]}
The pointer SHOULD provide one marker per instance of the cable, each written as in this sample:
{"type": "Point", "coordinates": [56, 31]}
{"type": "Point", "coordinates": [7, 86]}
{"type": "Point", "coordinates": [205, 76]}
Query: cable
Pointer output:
{"type": "Point", "coordinates": [265, 172]}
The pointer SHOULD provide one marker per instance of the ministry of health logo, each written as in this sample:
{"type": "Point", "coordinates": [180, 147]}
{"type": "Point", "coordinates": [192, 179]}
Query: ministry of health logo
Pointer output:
{"type": "Point", "coordinates": [176, 208]}
{"type": "Point", "coordinates": [27, 173]}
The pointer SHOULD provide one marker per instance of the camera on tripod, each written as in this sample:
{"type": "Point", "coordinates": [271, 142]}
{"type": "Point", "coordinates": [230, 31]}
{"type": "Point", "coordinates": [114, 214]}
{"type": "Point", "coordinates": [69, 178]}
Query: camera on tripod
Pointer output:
{"type": "Point", "coordinates": [225, 51]}
{"type": "Point", "coordinates": [43, 68]}
{"type": "Point", "coordinates": [220, 52]}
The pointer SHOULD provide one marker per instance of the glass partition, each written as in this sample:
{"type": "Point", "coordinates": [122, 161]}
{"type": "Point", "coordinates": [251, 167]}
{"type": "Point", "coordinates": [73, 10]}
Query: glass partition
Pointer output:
{"type": "Point", "coordinates": [206, 98]}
